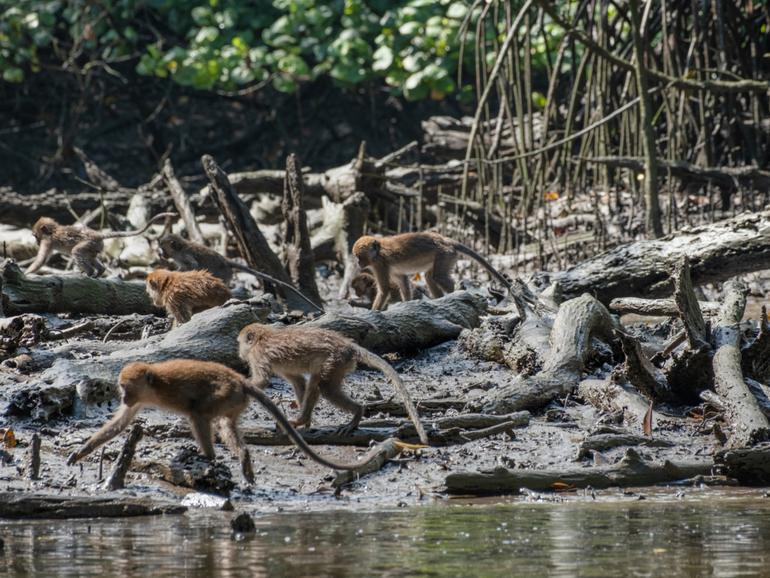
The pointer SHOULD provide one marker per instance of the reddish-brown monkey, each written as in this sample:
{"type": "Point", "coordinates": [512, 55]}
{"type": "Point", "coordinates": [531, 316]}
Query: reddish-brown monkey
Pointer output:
{"type": "Point", "coordinates": [183, 294]}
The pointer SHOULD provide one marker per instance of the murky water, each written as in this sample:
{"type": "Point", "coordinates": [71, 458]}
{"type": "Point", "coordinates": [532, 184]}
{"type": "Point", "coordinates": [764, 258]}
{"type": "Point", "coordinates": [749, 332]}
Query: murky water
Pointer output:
{"type": "Point", "coordinates": [701, 536]}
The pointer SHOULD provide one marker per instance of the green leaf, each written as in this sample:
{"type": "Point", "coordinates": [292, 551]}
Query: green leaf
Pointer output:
{"type": "Point", "coordinates": [13, 74]}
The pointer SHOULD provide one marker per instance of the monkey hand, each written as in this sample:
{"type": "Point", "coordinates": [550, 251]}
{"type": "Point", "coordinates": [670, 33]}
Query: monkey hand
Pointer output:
{"type": "Point", "coordinates": [73, 457]}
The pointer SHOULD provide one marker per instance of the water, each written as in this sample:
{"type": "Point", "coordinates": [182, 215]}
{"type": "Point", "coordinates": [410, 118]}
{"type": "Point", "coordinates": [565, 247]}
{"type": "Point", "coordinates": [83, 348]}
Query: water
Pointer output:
{"type": "Point", "coordinates": [711, 535]}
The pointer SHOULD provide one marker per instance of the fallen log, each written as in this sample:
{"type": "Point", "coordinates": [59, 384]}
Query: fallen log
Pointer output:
{"type": "Point", "coordinates": [750, 466]}
{"type": "Point", "coordinates": [576, 322]}
{"type": "Point", "coordinates": [656, 307]}
{"type": "Point", "coordinates": [612, 397]}
{"type": "Point", "coordinates": [747, 422]}
{"type": "Point", "coordinates": [387, 450]}
{"type": "Point", "coordinates": [69, 294]}
{"type": "Point", "coordinates": [631, 471]}
{"type": "Point", "coordinates": [643, 268]}
{"type": "Point", "coordinates": [26, 506]}
{"type": "Point", "coordinates": [394, 407]}
{"type": "Point", "coordinates": [603, 442]}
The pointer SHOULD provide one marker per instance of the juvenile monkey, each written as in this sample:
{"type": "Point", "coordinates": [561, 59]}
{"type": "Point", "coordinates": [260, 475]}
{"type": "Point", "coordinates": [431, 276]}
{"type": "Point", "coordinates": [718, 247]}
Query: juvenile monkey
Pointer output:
{"type": "Point", "coordinates": [396, 257]}
{"type": "Point", "coordinates": [326, 356]}
{"type": "Point", "coordinates": [82, 243]}
{"type": "Point", "coordinates": [182, 294]}
{"type": "Point", "coordinates": [204, 392]}
{"type": "Point", "coordinates": [191, 256]}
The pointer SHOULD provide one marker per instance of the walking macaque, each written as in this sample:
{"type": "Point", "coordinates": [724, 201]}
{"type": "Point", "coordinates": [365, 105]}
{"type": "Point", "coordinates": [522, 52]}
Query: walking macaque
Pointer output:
{"type": "Point", "coordinates": [82, 243]}
{"type": "Point", "coordinates": [191, 256]}
{"type": "Point", "coordinates": [203, 391]}
{"type": "Point", "coordinates": [326, 356]}
{"type": "Point", "coordinates": [182, 294]}
{"type": "Point", "coordinates": [396, 257]}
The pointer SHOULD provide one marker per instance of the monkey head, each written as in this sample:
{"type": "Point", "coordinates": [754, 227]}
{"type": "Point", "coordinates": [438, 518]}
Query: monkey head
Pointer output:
{"type": "Point", "coordinates": [366, 250]}
{"type": "Point", "coordinates": [44, 228]}
{"type": "Point", "coordinates": [169, 245]}
{"type": "Point", "coordinates": [155, 282]}
{"type": "Point", "coordinates": [134, 380]}
{"type": "Point", "coordinates": [248, 337]}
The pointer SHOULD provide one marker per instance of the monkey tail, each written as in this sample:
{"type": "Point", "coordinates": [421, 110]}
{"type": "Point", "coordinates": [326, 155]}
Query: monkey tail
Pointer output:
{"type": "Point", "coordinates": [294, 435]}
{"type": "Point", "coordinates": [378, 362]}
{"type": "Point", "coordinates": [465, 250]}
{"type": "Point", "coordinates": [268, 278]}
{"type": "Point", "coordinates": [120, 234]}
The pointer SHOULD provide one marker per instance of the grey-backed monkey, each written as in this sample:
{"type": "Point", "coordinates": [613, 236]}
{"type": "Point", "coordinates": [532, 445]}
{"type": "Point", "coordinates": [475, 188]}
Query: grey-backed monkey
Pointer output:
{"type": "Point", "coordinates": [203, 391]}
{"type": "Point", "coordinates": [191, 256]}
{"type": "Point", "coordinates": [83, 243]}
{"type": "Point", "coordinates": [183, 294]}
{"type": "Point", "coordinates": [326, 356]}
{"type": "Point", "coordinates": [396, 257]}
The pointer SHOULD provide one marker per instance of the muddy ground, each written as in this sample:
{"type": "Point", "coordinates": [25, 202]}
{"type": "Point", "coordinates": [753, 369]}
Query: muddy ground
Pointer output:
{"type": "Point", "coordinates": [287, 480]}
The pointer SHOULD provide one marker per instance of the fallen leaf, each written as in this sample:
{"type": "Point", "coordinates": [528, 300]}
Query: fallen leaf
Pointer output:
{"type": "Point", "coordinates": [551, 195]}
{"type": "Point", "coordinates": [647, 422]}
{"type": "Point", "coordinates": [9, 438]}
{"type": "Point", "coordinates": [562, 487]}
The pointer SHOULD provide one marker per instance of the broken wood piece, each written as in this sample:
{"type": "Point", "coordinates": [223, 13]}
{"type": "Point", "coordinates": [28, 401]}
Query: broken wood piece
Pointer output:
{"type": "Point", "coordinates": [387, 450]}
{"type": "Point", "coordinates": [396, 408]}
{"type": "Point", "coordinates": [182, 204]}
{"type": "Point", "coordinates": [117, 477]}
{"type": "Point", "coordinates": [612, 397]}
{"type": "Point", "coordinates": [608, 441]}
{"type": "Point", "coordinates": [252, 244]}
{"type": "Point", "coordinates": [299, 260]}
{"type": "Point", "coordinates": [631, 471]}
{"type": "Point", "coordinates": [32, 460]}
{"type": "Point", "coordinates": [687, 303]}
{"type": "Point", "coordinates": [640, 372]}
{"type": "Point", "coordinates": [656, 307]}
{"type": "Point", "coordinates": [459, 435]}
{"type": "Point", "coordinates": [747, 422]}
{"type": "Point", "coordinates": [69, 294]}
{"type": "Point", "coordinates": [15, 505]}
{"type": "Point", "coordinates": [755, 357]}
{"type": "Point", "coordinates": [190, 469]}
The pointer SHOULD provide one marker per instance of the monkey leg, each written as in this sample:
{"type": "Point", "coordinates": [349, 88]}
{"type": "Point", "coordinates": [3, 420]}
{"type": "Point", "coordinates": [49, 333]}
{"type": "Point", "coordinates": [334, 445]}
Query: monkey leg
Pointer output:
{"type": "Point", "coordinates": [228, 430]}
{"type": "Point", "coordinates": [442, 272]}
{"type": "Point", "coordinates": [331, 389]}
{"type": "Point", "coordinates": [309, 401]}
{"type": "Point", "coordinates": [298, 382]}
{"type": "Point", "coordinates": [201, 428]}
{"type": "Point", "coordinates": [181, 313]}
{"type": "Point", "coordinates": [84, 254]}
{"type": "Point", "coordinates": [382, 280]}
{"type": "Point", "coordinates": [404, 287]}
{"type": "Point", "coordinates": [433, 288]}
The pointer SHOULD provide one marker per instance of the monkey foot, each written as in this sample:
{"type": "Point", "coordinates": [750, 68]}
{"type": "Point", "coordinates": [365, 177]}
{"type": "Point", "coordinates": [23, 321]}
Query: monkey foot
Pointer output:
{"type": "Point", "coordinates": [346, 429]}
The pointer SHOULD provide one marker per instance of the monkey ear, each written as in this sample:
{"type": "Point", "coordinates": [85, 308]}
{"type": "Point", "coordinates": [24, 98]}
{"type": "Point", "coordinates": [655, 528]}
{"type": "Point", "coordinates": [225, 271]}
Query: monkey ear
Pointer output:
{"type": "Point", "coordinates": [250, 337]}
{"type": "Point", "coordinates": [375, 249]}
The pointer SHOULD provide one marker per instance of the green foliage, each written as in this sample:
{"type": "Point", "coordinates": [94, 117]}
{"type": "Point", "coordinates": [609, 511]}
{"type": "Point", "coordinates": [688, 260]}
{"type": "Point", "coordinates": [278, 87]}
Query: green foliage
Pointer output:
{"type": "Point", "coordinates": [413, 45]}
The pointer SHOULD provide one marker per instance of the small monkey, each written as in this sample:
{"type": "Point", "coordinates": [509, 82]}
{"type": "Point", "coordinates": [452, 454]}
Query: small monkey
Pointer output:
{"type": "Point", "coordinates": [203, 391]}
{"type": "Point", "coordinates": [327, 356]}
{"type": "Point", "coordinates": [182, 294]}
{"type": "Point", "coordinates": [396, 257]}
{"type": "Point", "coordinates": [191, 256]}
{"type": "Point", "coordinates": [83, 243]}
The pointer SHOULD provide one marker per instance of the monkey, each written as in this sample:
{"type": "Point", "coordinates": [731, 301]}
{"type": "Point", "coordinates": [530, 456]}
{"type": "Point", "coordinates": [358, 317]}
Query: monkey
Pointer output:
{"type": "Point", "coordinates": [183, 293]}
{"type": "Point", "coordinates": [190, 256]}
{"type": "Point", "coordinates": [396, 257]}
{"type": "Point", "coordinates": [326, 356]}
{"type": "Point", "coordinates": [83, 243]}
{"type": "Point", "coordinates": [203, 391]}
{"type": "Point", "coordinates": [365, 287]}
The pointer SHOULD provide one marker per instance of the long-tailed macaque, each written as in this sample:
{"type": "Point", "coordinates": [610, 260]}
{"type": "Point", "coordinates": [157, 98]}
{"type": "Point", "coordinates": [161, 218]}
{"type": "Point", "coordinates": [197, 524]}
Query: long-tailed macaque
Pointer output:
{"type": "Point", "coordinates": [202, 391]}
{"type": "Point", "coordinates": [191, 256]}
{"type": "Point", "coordinates": [326, 356]}
{"type": "Point", "coordinates": [396, 257]}
{"type": "Point", "coordinates": [82, 243]}
{"type": "Point", "coordinates": [183, 294]}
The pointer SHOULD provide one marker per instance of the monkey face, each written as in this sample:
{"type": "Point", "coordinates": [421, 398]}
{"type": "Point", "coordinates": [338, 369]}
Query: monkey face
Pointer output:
{"type": "Point", "coordinates": [168, 246]}
{"type": "Point", "coordinates": [366, 250]}
{"type": "Point", "coordinates": [43, 228]}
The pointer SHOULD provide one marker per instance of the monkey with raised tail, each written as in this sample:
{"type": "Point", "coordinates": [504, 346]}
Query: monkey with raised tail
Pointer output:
{"type": "Point", "coordinates": [82, 243]}
{"type": "Point", "coordinates": [202, 391]}
{"type": "Point", "coordinates": [326, 357]}
{"type": "Point", "coordinates": [182, 294]}
{"type": "Point", "coordinates": [190, 256]}
{"type": "Point", "coordinates": [396, 257]}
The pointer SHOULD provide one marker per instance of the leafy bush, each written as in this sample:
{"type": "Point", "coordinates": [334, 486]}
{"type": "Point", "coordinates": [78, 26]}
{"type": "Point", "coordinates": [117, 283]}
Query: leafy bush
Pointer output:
{"type": "Point", "coordinates": [413, 45]}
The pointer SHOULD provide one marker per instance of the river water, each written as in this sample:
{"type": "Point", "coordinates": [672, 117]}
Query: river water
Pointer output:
{"type": "Point", "coordinates": [706, 534]}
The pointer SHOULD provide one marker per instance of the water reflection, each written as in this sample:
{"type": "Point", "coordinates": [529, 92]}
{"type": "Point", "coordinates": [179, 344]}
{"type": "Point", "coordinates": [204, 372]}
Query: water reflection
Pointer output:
{"type": "Point", "coordinates": [708, 537]}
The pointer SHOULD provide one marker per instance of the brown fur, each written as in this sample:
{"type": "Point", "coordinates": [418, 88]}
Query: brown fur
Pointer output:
{"type": "Point", "coordinates": [182, 294]}
{"type": "Point", "coordinates": [326, 356]}
{"type": "Point", "coordinates": [204, 392]}
{"type": "Point", "coordinates": [82, 243]}
{"type": "Point", "coordinates": [396, 257]}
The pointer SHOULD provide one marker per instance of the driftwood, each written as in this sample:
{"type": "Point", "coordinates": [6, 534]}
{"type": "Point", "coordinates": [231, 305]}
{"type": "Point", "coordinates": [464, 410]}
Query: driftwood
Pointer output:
{"type": "Point", "coordinates": [642, 268]}
{"type": "Point", "coordinates": [631, 471]}
{"type": "Point", "coordinates": [69, 294]}
{"type": "Point", "coordinates": [612, 397]}
{"type": "Point", "coordinates": [640, 372]}
{"type": "Point", "coordinates": [117, 477]}
{"type": "Point", "coordinates": [608, 441]}
{"type": "Point", "coordinates": [252, 244]}
{"type": "Point", "coordinates": [394, 407]}
{"type": "Point", "coordinates": [576, 321]}
{"type": "Point", "coordinates": [43, 506]}
{"type": "Point", "coordinates": [748, 424]}
{"type": "Point", "coordinates": [189, 469]}
{"type": "Point", "coordinates": [656, 307]}
{"type": "Point", "coordinates": [299, 255]}
{"type": "Point", "coordinates": [387, 450]}
{"type": "Point", "coordinates": [750, 466]}
{"type": "Point", "coordinates": [689, 308]}
{"type": "Point", "coordinates": [182, 204]}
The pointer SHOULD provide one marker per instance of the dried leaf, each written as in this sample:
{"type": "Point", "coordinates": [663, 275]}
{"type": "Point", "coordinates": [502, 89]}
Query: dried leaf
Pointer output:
{"type": "Point", "coordinates": [551, 196]}
{"type": "Point", "coordinates": [562, 487]}
{"type": "Point", "coordinates": [9, 438]}
{"type": "Point", "coordinates": [647, 422]}
{"type": "Point", "coordinates": [405, 446]}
